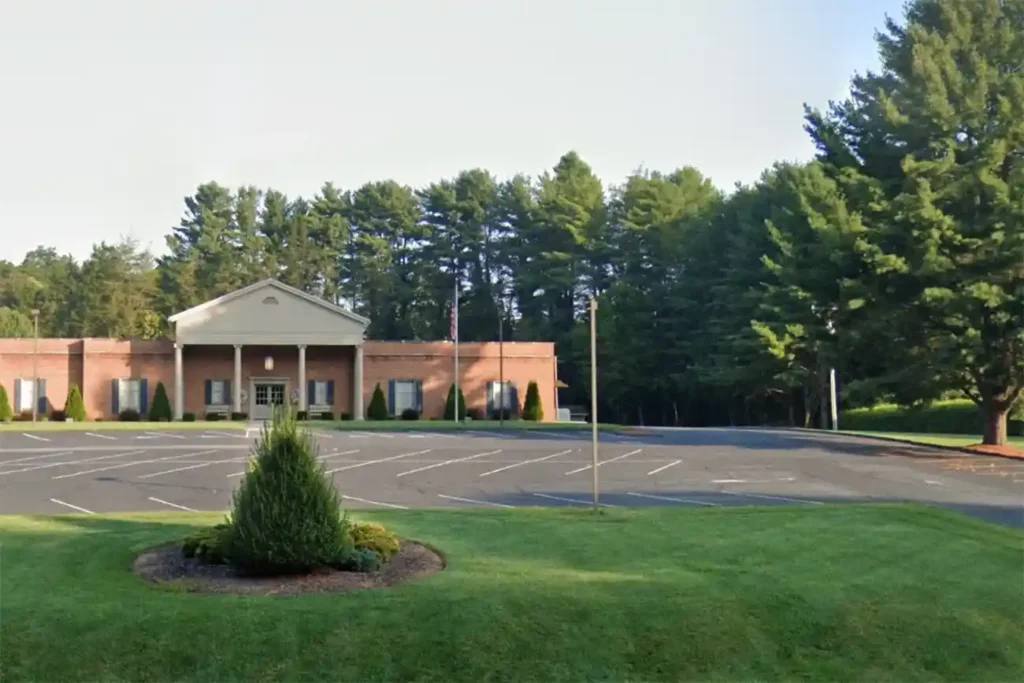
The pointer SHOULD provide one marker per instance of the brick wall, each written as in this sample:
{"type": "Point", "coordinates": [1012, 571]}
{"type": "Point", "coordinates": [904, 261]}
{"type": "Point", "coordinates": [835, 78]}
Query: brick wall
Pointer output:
{"type": "Point", "coordinates": [94, 363]}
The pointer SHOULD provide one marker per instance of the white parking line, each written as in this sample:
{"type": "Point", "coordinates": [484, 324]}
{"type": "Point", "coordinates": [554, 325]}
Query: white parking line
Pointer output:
{"type": "Point", "coordinates": [73, 507]}
{"type": "Point", "coordinates": [374, 502]}
{"type": "Point", "coordinates": [675, 499]}
{"type": "Point", "coordinates": [477, 502]}
{"type": "Point", "coordinates": [767, 497]}
{"type": "Point", "coordinates": [604, 462]}
{"type": "Point", "coordinates": [493, 435]}
{"type": "Point", "coordinates": [336, 454]}
{"type": "Point", "coordinates": [525, 462]}
{"type": "Point", "coordinates": [374, 462]}
{"type": "Point", "coordinates": [33, 436]}
{"type": "Point", "coordinates": [573, 500]}
{"type": "Point", "coordinates": [173, 505]}
{"type": "Point", "coordinates": [167, 434]}
{"type": "Point", "coordinates": [729, 481]}
{"type": "Point", "coordinates": [190, 467]}
{"type": "Point", "coordinates": [34, 457]}
{"type": "Point", "coordinates": [70, 462]}
{"type": "Point", "coordinates": [229, 434]}
{"type": "Point", "coordinates": [130, 464]}
{"type": "Point", "coordinates": [662, 469]}
{"type": "Point", "coordinates": [447, 462]}
{"type": "Point", "coordinates": [101, 436]}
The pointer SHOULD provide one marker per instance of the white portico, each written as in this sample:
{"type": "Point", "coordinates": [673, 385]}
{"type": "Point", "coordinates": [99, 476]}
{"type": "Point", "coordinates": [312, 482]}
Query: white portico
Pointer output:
{"type": "Point", "coordinates": [269, 315]}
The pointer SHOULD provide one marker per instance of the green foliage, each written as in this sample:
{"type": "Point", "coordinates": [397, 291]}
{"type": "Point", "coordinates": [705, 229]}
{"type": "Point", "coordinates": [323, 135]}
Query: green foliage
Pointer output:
{"type": "Point", "coordinates": [532, 408]}
{"type": "Point", "coordinates": [360, 560]}
{"type": "Point", "coordinates": [209, 545]}
{"type": "Point", "coordinates": [287, 515]}
{"type": "Point", "coordinates": [378, 408]}
{"type": "Point", "coordinates": [6, 414]}
{"type": "Point", "coordinates": [374, 537]}
{"type": "Point", "coordinates": [160, 411]}
{"type": "Point", "coordinates": [449, 404]}
{"type": "Point", "coordinates": [15, 324]}
{"type": "Point", "coordinates": [129, 415]}
{"type": "Point", "coordinates": [74, 406]}
{"type": "Point", "coordinates": [188, 417]}
{"type": "Point", "coordinates": [410, 414]}
{"type": "Point", "coordinates": [940, 417]}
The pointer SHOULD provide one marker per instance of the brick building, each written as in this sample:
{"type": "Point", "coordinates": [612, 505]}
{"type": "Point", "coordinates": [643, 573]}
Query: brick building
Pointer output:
{"type": "Point", "coordinates": [270, 344]}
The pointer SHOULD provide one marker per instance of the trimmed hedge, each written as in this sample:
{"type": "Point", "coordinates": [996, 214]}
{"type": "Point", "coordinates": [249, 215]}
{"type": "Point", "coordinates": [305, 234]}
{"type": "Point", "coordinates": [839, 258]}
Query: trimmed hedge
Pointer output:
{"type": "Point", "coordinates": [959, 416]}
{"type": "Point", "coordinates": [449, 404]}
{"type": "Point", "coordinates": [160, 411]}
{"type": "Point", "coordinates": [378, 408]}
{"type": "Point", "coordinates": [74, 406]}
{"type": "Point", "coordinates": [532, 409]}
{"type": "Point", "coordinates": [6, 414]}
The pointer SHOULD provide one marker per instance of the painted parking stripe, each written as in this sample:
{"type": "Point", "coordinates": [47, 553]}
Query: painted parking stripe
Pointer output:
{"type": "Point", "coordinates": [165, 434]}
{"type": "Point", "coordinates": [101, 436]}
{"type": "Point", "coordinates": [173, 505]}
{"type": "Point", "coordinates": [70, 462]}
{"type": "Point", "coordinates": [526, 462]}
{"type": "Point", "coordinates": [5, 463]}
{"type": "Point", "coordinates": [665, 467]}
{"type": "Point", "coordinates": [130, 464]}
{"type": "Point", "coordinates": [604, 462]}
{"type": "Point", "coordinates": [73, 507]}
{"type": "Point", "coordinates": [190, 467]}
{"type": "Point", "coordinates": [374, 462]}
{"type": "Point", "coordinates": [574, 500]}
{"type": "Point", "coordinates": [33, 436]}
{"type": "Point", "coordinates": [767, 497]}
{"type": "Point", "coordinates": [447, 462]}
{"type": "Point", "coordinates": [374, 502]}
{"type": "Point", "coordinates": [476, 502]}
{"type": "Point", "coordinates": [337, 454]}
{"type": "Point", "coordinates": [229, 434]}
{"type": "Point", "coordinates": [675, 499]}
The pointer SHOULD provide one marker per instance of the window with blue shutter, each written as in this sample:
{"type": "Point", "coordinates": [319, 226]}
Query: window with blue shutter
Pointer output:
{"type": "Point", "coordinates": [419, 396]}
{"type": "Point", "coordinates": [391, 397]}
{"type": "Point", "coordinates": [311, 393]}
{"type": "Point", "coordinates": [330, 392]}
{"type": "Point", "coordinates": [143, 396]}
{"type": "Point", "coordinates": [513, 400]}
{"type": "Point", "coordinates": [207, 392]}
{"type": "Point", "coordinates": [115, 396]}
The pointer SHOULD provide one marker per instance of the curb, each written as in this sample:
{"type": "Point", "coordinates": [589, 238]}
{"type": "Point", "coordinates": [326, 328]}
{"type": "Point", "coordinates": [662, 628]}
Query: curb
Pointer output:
{"type": "Point", "coordinates": [891, 439]}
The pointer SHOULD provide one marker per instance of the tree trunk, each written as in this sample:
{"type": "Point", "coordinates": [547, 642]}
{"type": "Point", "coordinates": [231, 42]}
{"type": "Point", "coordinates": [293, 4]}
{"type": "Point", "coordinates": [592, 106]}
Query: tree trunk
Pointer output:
{"type": "Point", "coordinates": [675, 413]}
{"type": "Point", "coordinates": [995, 419]}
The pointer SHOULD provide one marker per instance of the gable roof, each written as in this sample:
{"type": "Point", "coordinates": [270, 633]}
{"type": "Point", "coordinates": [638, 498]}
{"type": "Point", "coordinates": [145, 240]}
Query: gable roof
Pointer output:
{"type": "Point", "coordinates": [276, 284]}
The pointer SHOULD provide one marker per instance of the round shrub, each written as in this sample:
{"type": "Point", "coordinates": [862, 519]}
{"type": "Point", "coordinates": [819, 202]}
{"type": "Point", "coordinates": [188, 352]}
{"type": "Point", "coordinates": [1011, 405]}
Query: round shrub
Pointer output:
{"type": "Point", "coordinates": [287, 515]}
{"type": "Point", "coordinates": [410, 414]}
{"type": "Point", "coordinates": [5, 406]}
{"type": "Point", "coordinates": [374, 537]}
{"type": "Point", "coordinates": [129, 415]}
{"type": "Point", "coordinates": [209, 545]}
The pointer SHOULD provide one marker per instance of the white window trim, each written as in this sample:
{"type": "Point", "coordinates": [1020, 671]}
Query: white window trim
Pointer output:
{"type": "Point", "coordinates": [226, 400]}
{"type": "Point", "coordinates": [129, 394]}
{"type": "Point", "coordinates": [26, 407]}
{"type": "Point", "coordinates": [317, 405]}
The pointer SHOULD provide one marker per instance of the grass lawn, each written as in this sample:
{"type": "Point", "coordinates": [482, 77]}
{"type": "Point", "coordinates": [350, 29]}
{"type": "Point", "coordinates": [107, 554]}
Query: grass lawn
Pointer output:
{"type": "Point", "coordinates": [887, 593]}
{"type": "Point", "coordinates": [955, 440]}
{"type": "Point", "coordinates": [117, 426]}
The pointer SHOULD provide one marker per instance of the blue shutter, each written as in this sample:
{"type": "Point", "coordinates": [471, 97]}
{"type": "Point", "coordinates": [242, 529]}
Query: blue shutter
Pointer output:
{"type": "Point", "coordinates": [229, 397]}
{"type": "Point", "coordinates": [143, 396]}
{"type": "Point", "coordinates": [419, 397]}
{"type": "Point", "coordinates": [41, 401]}
{"type": "Point", "coordinates": [310, 393]}
{"type": "Point", "coordinates": [490, 399]}
{"type": "Point", "coordinates": [330, 392]}
{"type": "Point", "coordinates": [391, 397]}
{"type": "Point", "coordinates": [115, 396]}
{"type": "Point", "coordinates": [207, 392]}
{"type": "Point", "coordinates": [513, 398]}
{"type": "Point", "coordinates": [17, 396]}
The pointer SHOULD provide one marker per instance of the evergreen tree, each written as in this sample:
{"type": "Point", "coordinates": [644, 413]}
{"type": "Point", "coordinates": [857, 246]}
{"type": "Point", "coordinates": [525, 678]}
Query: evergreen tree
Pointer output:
{"type": "Point", "coordinates": [5, 406]}
{"type": "Point", "coordinates": [532, 408]}
{"type": "Point", "coordinates": [449, 404]}
{"type": "Point", "coordinates": [160, 411]}
{"type": "Point", "coordinates": [74, 406]}
{"type": "Point", "coordinates": [378, 408]}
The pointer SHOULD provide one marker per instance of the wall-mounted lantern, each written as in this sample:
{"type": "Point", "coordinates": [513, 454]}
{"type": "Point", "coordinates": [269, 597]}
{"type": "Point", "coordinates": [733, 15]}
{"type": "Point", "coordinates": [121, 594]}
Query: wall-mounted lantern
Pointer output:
{"type": "Point", "coordinates": [268, 363]}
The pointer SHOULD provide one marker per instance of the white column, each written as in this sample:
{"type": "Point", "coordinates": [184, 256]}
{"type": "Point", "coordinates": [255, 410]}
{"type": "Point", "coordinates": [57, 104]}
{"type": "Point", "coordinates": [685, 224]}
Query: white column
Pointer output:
{"type": "Point", "coordinates": [236, 385]}
{"type": "Point", "coordinates": [357, 384]}
{"type": "Point", "coordinates": [303, 393]}
{"type": "Point", "coordinates": [179, 383]}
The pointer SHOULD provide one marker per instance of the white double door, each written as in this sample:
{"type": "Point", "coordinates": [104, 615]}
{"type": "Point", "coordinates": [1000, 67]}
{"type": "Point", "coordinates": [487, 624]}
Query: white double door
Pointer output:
{"type": "Point", "coordinates": [266, 395]}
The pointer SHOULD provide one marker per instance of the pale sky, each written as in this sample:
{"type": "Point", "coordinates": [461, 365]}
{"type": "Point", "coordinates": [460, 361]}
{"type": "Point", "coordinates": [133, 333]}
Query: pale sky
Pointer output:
{"type": "Point", "coordinates": [112, 111]}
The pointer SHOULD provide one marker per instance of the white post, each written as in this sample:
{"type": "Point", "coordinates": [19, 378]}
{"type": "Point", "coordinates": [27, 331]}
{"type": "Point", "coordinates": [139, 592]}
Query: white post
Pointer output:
{"type": "Point", "coordinates": [179, 384]}
{"type": "Point", "coordinates": [357, 384]}
{"type": "Point", "coordinates": [593, 394]}
{"type": "Point", "coordinates": [236, 385]}
{"type": "Point", "coordinates": [302, 379]}
{"type": "Point", "coordinates": [832, 394]}
{"type": "Point", "coordinates": [455, 315]}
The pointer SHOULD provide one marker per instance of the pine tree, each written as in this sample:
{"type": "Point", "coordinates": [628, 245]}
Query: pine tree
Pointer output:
{"type": "Point", "coordinates": [5, 406]}
{"type": "Point", "coordinates": [74, 406]}
{"type": "Point", "coordinates": [449, 405]}
{"type": "Point", "coordinates": [532, 408]}
{"type": "Point", "coordinates": [378, 408]}
{"type": "Point", "coordinates": [928, 152]}
{"type": "Point", "coordinates": [160, 411]}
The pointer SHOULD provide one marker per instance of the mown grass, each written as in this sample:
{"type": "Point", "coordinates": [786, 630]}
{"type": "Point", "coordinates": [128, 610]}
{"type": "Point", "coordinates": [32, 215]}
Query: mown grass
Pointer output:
{"type": "Point", "coordinates": [43, 426]}
{"type": "Point", "coordinates": [833, 594]}
{"type": "Point", "coordinates": [948, 440]}
{"type": "Point", "coordinates": [955, 416]}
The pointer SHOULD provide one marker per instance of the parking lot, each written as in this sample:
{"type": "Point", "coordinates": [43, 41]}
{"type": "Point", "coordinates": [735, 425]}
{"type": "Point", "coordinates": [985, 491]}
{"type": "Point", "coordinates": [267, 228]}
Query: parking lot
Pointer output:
{"type": "Point", "coordinates": [105, 472]}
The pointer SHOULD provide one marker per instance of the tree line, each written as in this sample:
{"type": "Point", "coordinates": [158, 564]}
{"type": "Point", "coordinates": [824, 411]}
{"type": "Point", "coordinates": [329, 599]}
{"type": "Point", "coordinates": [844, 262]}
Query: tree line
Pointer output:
{"type": "Point", "coordinates": [895, 256]}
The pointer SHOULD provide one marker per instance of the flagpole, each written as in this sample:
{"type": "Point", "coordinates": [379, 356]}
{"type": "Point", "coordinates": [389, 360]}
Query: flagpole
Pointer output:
{"type": "Point", "coordinates": [455, 315]}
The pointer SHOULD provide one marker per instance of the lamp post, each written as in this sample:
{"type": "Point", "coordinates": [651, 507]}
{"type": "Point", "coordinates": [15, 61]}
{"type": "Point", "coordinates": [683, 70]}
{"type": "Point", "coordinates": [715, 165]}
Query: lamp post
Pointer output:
{"type": "Point", "coordinates": [501, 364]}
{"type": "Point", "coordinates": [35, 364]}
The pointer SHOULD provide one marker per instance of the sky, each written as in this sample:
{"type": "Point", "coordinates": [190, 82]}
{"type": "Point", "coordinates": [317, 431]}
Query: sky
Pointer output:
{"type": "Point", "coordinates": [113, 111]}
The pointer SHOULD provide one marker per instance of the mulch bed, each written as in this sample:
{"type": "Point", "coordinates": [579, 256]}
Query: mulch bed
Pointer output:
{"type": "Point", "coordinates": [166, 565]}
{"type": "Point", "coordinates": [1005, 451]}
